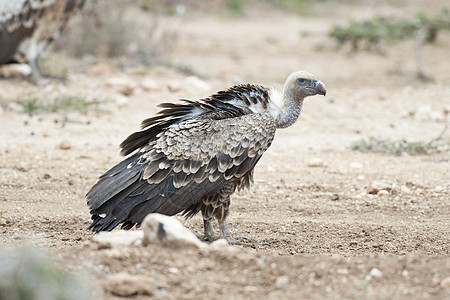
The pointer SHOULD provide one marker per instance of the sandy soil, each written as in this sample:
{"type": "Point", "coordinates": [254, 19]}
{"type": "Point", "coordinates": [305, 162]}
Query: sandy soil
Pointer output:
{"type": "Point", "coordinates": [325, 232]}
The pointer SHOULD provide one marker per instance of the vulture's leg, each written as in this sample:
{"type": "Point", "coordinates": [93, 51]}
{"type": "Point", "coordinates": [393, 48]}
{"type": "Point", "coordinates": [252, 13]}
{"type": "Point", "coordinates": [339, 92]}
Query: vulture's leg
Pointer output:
{"type": "Point", "coordinates": [209, 232]}
{"type": "Point", "coordinates": [221, 216]}
{"type": "Point", "coordinates": [225, 234]}
{"type": "Point", "coordinates": [36, 67]}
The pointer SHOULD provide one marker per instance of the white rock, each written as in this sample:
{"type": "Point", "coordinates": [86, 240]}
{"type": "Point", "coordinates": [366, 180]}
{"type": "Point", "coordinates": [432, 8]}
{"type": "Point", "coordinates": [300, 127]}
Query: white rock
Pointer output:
{"type": "Point", "coordinates": [445, 283]}
{"type": "Point", "coordinates": [167, 231]}
{"type": "Point", "coordinates": [15, 70]}
{"type": "Point", "coordinates": [118, 238]}
{"type": "Point", "coordinates": [377, 186]}
{"type": "Point", "coordinates": [316, 163]}
{"type": "Point", "coordinates": [282, 281]}
{"type": "Point", "coordinates": [356, 165]}
{"type": "Point", "coordinates": [383, 193]}
{"type": "Point", "coordinates": [376, 273]}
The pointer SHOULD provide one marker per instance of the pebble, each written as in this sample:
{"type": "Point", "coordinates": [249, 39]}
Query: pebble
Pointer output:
{"type": "Point", "coordinates": [445, 283]}
{"type": "Point", "coordinates": [446, 109]}
{"type": "Point", "coordinates": [15, 70]}
{"type": "Point", "coordinates": [169, 232]}
{"type": "Point", "coordinates": [282, 281]}
{"type": "Point", "coordinates": [316, 163]}
{"type": "Point", "coordinates": [356, 165]}
{"type": "Point", "coordinates": [376, 273]}
{"type": "Point", "coordinates": [118, 238]}
{"type": "Point", "coordinates": [377, 186]}
{"type": "Point", "coordinates": [65, 145]}
{"type": "Point", "coordinates": [383, 193]}
{"type": "Point", "coordinates": [122, 85]}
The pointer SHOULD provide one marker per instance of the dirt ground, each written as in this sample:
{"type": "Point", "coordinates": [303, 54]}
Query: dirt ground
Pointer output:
{"type": "Point", "coordinates": [325, 232]}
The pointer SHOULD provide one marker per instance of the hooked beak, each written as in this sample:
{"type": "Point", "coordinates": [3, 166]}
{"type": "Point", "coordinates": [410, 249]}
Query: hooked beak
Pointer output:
{"type": "Point", "coordinates": [319, 87]}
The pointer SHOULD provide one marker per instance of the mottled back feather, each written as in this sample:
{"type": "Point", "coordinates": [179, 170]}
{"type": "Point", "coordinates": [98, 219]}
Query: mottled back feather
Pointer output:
{"type": "Point", "coordinates": [187, 152]}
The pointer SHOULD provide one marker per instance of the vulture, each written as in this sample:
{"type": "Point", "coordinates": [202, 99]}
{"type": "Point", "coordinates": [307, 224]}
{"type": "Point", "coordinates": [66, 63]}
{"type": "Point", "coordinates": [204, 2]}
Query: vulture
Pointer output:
{"type": "Point", "coordinates": [193, 155]}
{"type": "Point", "coordinates": [27, 27]}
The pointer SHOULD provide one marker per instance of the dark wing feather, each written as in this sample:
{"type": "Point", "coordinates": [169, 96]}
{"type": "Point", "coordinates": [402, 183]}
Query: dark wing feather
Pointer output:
{"type": "Point", "coordinates": [226, 104]}
{"type": "Point", "coordinates": [201, 148]}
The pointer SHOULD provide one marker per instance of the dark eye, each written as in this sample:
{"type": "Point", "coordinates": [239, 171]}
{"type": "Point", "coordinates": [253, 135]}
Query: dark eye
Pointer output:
{"type": "Point", "coordinates": [301, 81]}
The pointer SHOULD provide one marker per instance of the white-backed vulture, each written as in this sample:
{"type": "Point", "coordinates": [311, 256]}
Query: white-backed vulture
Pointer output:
{"type": "Point", "coordinates": [193, 155]}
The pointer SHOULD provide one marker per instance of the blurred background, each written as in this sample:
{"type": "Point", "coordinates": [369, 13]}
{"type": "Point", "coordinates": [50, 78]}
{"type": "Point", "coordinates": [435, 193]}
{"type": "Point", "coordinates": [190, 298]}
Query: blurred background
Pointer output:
{"type": "Point", "coordinates": [317, 199]}
{"type": "Point", "coordinates": [261, 41]}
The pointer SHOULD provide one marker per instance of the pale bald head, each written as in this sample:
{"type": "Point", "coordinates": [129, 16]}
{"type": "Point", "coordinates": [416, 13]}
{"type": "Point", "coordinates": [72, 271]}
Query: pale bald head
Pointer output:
{"type": "Point", "coordinates": [302, 84]}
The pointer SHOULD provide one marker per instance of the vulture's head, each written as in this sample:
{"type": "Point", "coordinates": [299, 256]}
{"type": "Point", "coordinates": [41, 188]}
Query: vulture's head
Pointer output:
{"type": "Point", "coordinates": [298, 86]}
{"type": "Point", "coordinates": [302, 84]}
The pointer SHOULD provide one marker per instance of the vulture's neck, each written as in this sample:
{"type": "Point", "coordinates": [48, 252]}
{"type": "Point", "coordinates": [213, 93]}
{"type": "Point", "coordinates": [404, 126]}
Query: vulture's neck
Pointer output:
{"type": "Point", "coordinates": [285, 108]}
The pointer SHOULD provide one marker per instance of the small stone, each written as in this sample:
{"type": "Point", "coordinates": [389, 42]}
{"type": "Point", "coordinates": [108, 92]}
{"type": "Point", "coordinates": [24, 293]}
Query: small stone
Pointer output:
{"type": "Point", "coordinates": [250, 289]}
{"type": "Point", "coordinates": [169, 232]}
{"type": "Point", "coordinates": [118, 238]}
{"type": "Point", "coordinates": [3, 221]}
{"type": "Point", "coordinates": [342, 271]}
{"type": "Point", "coordinates": [445, 283]}
{"type": "Point", "coordinates": [122, 85]}
{"type": "Point", "coordinates": [356, 165]}
{"type": "Point", "coordinates": [14, 70]}
{"type": "Point", "coordinates": [376, 273]}
{"type": "Point", "coordinates": [316, 163]}
{"type": "Point", "coordinates": [439, 189]}
{"type": "Point", "coordinates": [377, 186]}
{"type": "Point", "coordinates": [446, 109]}
{"type": "Point", "coordinates": [282, 281]}
{"type": "Point", "coordinates": [405, 273]}
{"type": "Point", "coordinates": [65, 145]}
{"type": "Point", "coordinates": [383, 193]}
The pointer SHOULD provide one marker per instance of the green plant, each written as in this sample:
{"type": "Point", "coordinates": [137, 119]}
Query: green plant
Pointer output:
{"type": "Point", "coordinates": [30, 274]}
{"type": "Point", "coordinates": [399, 147]}
{"type": "Point", "coordinates": [61, 103]}
{"type": "Point", "coordinates": [371, 33]}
